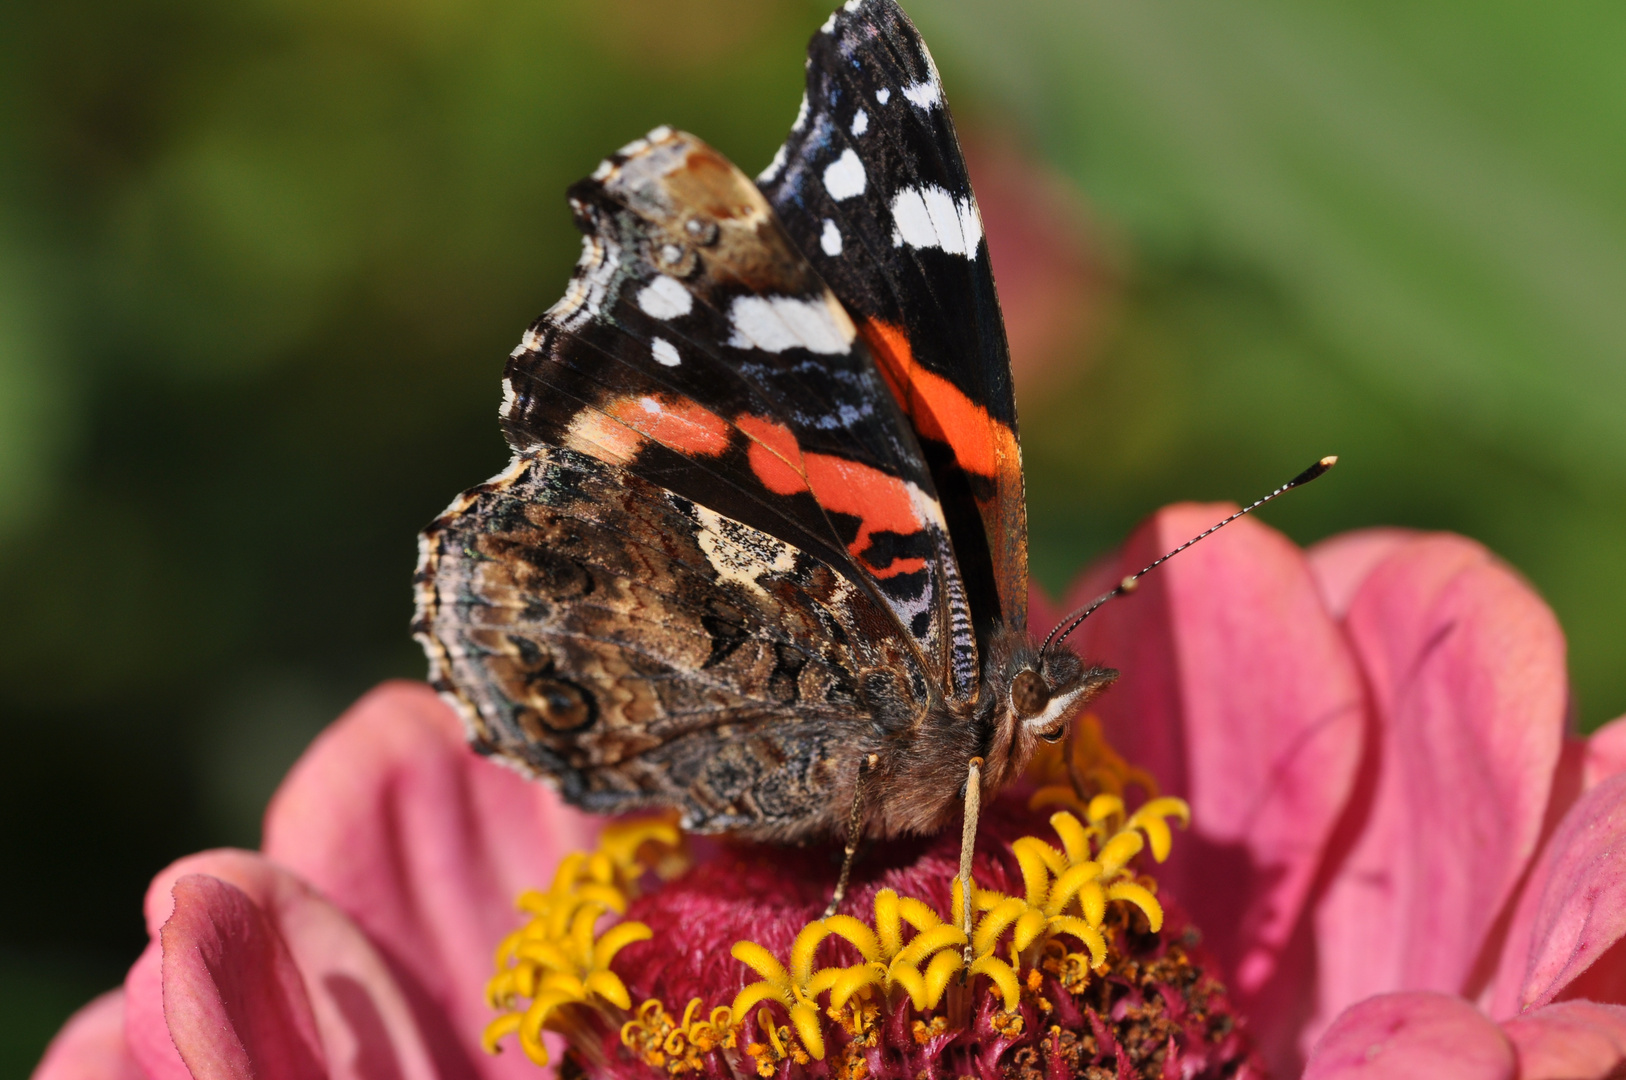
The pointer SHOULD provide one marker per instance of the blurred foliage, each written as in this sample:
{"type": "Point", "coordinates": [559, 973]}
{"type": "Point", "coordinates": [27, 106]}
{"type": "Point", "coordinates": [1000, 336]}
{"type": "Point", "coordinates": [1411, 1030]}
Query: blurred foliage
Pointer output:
{"type": "Point", "coordinates": [260, 264]}
{"type": "Point", "coordinates": [1391, 230]}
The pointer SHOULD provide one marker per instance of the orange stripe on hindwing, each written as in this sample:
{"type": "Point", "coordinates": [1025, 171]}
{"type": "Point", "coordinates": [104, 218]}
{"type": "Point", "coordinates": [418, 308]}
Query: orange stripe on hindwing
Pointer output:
{"type": "Point", "coordinates": [881, 502]}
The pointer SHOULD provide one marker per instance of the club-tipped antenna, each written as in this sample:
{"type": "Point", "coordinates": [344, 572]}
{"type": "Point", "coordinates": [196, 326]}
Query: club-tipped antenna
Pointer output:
{"type": "Point", "coordinates": [1128, 584]}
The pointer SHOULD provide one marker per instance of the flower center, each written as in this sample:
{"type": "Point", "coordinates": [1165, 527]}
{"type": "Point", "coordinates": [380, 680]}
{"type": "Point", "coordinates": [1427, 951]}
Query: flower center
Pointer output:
{"type": "Point", "coordinates": [1073, 967]}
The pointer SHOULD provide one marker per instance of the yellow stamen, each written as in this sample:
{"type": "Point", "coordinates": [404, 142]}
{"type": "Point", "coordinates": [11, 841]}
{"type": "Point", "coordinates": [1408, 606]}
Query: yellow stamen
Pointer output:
{"type": "Point", "coordinates": [557, 960]}
{"type": "Point", "coordinates": [1151, 820]}
{"type": "Point", "coordinates": [1141, 898]}
{"type": "Point", "coordinates": [499, 1029]}
{"type": "Point", "coordinates": [555, 972]}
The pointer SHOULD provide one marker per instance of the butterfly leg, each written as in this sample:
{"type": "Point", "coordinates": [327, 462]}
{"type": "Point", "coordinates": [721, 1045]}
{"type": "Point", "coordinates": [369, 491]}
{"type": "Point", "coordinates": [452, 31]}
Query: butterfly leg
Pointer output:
{"type": "Point", "coordinates": [855, 833]}
{"type": "Point", "coordinates": [968, 843]}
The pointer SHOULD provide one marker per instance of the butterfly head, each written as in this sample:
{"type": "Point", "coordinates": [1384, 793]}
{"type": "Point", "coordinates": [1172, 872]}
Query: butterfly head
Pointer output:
{"type": "Point", "coordinates": [1032, 697]}
{"type": "Point", "coordinates": [1049, 691]}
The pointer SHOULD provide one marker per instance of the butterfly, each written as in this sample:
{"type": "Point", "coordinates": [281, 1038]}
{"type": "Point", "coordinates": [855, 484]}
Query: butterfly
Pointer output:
{"type": "Point", "coordinates": [763, 539]}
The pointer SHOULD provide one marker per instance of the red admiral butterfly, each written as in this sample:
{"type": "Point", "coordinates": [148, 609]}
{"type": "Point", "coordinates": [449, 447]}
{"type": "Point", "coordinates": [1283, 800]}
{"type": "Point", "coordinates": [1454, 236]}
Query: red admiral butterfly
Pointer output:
{"type": "Point", "coordinates": [764, 531]}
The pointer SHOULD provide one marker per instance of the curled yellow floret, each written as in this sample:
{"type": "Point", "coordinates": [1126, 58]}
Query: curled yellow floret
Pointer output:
{"type": "Point", "coordinates": [556, 972]}
{"type": "Point", "coordinates": [559, 959]}
{"type": "Point", "coordinates": [678, 1046]}
{"type": "Point", "coordinates": [915, 968]}
{"type": "Point", "coordinates": [796, 988]}
{"type": "Point", "coordinates": [1066, 892]}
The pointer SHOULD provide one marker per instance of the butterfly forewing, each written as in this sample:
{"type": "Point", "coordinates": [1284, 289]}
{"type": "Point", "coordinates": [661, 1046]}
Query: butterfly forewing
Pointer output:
{"type": "Point", "coordinates": [697, 348]}
{"type": "Point", "coordinates": [872, 186]}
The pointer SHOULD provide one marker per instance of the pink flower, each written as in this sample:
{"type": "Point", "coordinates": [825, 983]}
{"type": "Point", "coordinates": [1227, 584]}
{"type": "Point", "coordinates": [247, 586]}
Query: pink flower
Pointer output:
{"type": "Point", "coordinates": [1400, 862]}
{"type": "Point", "coordinates": [1403, 863]}
{"type": "Point", "coordinates": [358, 944]}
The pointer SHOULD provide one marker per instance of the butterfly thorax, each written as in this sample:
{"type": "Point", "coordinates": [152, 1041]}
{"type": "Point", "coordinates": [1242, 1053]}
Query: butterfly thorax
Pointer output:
{"type": "Point", "coordinates": [1023, 699]}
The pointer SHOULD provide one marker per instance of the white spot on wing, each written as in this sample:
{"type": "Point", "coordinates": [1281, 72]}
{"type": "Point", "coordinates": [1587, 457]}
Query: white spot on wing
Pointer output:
{"type": "Point", "coordinates": [860, 122]}
{"type": "Point", "coordinates": [660, 134]}
{"type": "Point", "coordinates": [884, 94]}
{"type": "Point", "coordinates": [929, 217]}
{"type": "Point", "coordinates": [853, 5]}
{"type": "Point", "coordinates": [509, 399]}
{"type": "Point", "coordinates": [924, 95]}
{"type": "Point", "coordinates": [604, 169]}
{"type": "Point", "coordinates": [776, 323]}
{"type": "Point", "coordinates": [970, 225]}
{"type": "Point", "coordinates": [636, 146]}
{"type": "Point", "coordinates": [650, 405]}
{"type": "Point", "coordinates": [665, 352]}
{"type": "Point", "coordinates": [829, 24]}
{"type": "Point", "coordinates": [801, 114]}
{"type": "Point", "coordinates": [844, 177]}
{"type": "Point", "coordinates": [665, 298]}
{"type": "Point", "coordinates": [830, 238]}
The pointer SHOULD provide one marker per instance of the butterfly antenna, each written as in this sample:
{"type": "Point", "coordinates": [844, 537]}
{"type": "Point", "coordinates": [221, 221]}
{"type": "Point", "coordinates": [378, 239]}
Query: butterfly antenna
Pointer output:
{"type": "Point", "coordinates": [1129, 584]}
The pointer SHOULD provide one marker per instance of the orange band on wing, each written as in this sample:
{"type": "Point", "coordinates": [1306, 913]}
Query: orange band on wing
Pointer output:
{"type": "Point", "coordinates": [982, 445]}
{"type": "Point", "coordinates": [881, 502]}
{"type": "Point", "coordinates": [617, 430]}
{"type": "Point", "coordinates": [774, 455]}
{"type": "Point", "coordinates": [940, 410]}
{"type": "Point", "coordinates": [678, 424]}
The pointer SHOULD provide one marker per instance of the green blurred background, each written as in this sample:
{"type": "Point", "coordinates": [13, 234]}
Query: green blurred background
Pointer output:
{"type": "Point", "coordinates": [261, 263]}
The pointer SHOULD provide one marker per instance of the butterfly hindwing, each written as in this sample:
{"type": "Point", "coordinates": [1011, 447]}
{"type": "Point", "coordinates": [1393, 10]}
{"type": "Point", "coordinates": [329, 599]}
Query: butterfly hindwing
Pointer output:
{"type": "Point", "coordinates": [639, 649]}
{"type": "Point", "coordinates": [698, 349]}
{"type": "Point", "coordinates": [872, 186]}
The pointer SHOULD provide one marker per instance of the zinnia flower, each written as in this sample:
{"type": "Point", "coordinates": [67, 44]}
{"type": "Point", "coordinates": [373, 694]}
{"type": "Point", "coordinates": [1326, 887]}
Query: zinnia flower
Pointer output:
{"type": "Point", "coordinates": [1397, 865]}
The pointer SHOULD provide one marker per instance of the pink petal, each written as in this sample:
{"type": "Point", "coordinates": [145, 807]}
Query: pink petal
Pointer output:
{"type": "Point", "coordinates": [1573, 908]}
{"type": "Point", "coordinates": [1573, 1040]}
{"type": "Point", "coordinates": [365, 1019]}
{"type": "Point", "coordinates": [1043, 613]}
{"type": "Point", "coordinates": [1605, 753]}
{"type": "Point", "coordinates": [1239, 694]}
{"type": "Point", "coordinates": [233, 999]}
{"type": "Point", "coordinates": [1342, 563]}
{"type": "Point", "coordinates": [91, 1045]}
{"type": "Point", "coordinates": [426, 845]}
{"type": "Point", "coordinates": [1465, 667]}
{"type": "Point", "coordinates": [146, 1032]}
{"type": "Point", "coordinates": [1412, 1035]}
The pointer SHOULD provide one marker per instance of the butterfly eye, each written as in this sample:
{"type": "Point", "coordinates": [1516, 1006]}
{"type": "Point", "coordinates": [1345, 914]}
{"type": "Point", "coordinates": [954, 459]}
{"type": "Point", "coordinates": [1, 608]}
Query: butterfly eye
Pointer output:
{"type": "Point", "coordinates": [1029, 694]}
{"type": "Point", "coordinates": [1055, 735]}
